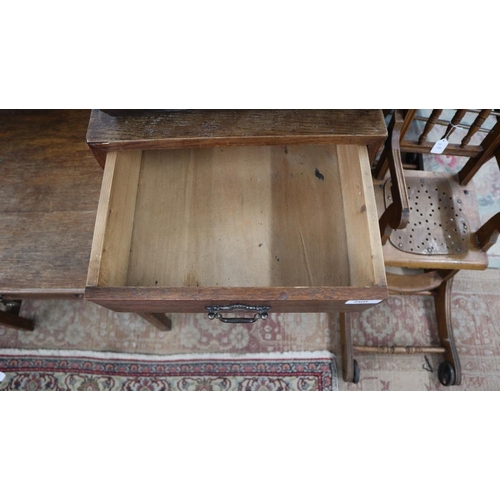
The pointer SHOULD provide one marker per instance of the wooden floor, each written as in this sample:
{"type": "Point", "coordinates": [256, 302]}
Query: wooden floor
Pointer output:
{"type": "Point", "coordinates": [49, 190]}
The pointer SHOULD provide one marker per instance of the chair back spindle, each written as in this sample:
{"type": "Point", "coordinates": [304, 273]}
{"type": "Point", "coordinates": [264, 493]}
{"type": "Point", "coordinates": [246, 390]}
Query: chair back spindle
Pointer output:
{"type": "Point", "coordinates": [480, 118]}
{"type": "Point", "coordinates": [436, 113]}
{"type": "Point", "coordinates": [455, 121]}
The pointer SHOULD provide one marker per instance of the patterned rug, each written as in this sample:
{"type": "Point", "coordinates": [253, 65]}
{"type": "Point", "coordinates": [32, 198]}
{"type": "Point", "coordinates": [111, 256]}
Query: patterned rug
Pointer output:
{"type": "Point", "coordinates": [44, 370]}
{"type": "Point", "coordinates": [78, 325]}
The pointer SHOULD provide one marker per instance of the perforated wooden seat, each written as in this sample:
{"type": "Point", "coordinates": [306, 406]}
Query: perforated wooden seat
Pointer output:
{"type": "Point", "coordinates": [443, 220]}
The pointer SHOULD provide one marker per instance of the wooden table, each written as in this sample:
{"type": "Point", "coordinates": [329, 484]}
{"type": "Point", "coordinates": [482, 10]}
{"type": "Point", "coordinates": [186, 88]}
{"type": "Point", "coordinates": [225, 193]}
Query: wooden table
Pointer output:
{"type": "Point", "coordinates": [51, 182]}
{"type": "Point", "coordinates": [267, 210]}
{"type": "Point", "coordinates": [49, 189]}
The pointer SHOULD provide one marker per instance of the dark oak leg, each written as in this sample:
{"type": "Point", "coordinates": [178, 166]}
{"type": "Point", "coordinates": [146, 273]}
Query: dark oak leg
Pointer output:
{"type": "Point", "coordinates": [490, 146]}
{"type": "Point", "coordinates": [11, 318]}
{"type": "Point", "coordinates": [347, 350]}
{"type": "Point", "coordinates": [442, 300]}
{"type": "Point", "coordinates": [160, 320]}
{"type": "Point", "coordinates": [488, 233]}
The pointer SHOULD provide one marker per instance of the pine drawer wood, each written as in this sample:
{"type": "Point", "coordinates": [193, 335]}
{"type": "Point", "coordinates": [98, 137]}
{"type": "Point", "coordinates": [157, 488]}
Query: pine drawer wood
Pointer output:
{"type": "Point", "coordinates": [293, 227]}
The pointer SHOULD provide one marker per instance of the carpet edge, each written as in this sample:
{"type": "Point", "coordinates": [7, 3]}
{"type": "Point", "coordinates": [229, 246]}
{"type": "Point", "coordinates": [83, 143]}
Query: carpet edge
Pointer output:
{"type": "Point", "coordinates": [166, 357]}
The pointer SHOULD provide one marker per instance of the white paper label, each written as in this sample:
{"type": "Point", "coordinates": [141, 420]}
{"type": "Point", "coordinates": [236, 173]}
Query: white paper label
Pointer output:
{"type": "Point", "coordinates": [439, 147]}
{"type": "Point", "coordinates": [2, 376]}
{"type": "Point", "coordinates": [363, 302]}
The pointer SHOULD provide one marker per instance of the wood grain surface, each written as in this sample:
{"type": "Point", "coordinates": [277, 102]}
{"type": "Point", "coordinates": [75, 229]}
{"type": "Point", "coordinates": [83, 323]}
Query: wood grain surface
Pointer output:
{"type": "Point", "coordinates": [49, 188]}
{"type": "Point", "coordinates": [254, 216]}
{"type": "Point", "coordinates": [115, 219]}
{"type": "Point", "coordinates": [408, 146]}
{"type": "Point", "coordinates": [189, 299]}
{"type": "Point", "coordinates": [247, 218]}
{"type": "Point", "coordinates": [210, 128]}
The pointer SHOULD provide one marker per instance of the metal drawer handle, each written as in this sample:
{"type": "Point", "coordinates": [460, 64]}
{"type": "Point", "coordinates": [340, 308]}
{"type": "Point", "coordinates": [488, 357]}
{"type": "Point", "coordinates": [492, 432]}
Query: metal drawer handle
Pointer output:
{"type": "Point", "coordinates": [261, 312]}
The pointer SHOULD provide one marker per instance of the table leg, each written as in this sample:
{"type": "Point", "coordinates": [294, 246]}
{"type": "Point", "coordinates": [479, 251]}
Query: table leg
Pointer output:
{"type": "Point", "coordinates": [160, 320]}
{"type": "Point", "coordinates": [11, 319]}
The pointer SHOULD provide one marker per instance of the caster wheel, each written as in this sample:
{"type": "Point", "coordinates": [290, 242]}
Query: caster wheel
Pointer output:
{"type": "Point", "coordinates": [355, 378]}
{"type": "Point", "coordinates": [446, 373]}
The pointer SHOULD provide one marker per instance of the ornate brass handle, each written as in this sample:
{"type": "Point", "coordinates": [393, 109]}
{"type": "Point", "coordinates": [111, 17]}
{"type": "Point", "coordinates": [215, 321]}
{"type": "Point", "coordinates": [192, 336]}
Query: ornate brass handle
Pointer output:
{"type": "Point", "coordinates": [261, 312]}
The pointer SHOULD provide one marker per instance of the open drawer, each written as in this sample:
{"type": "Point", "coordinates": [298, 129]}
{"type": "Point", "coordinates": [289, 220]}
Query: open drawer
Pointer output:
{"type": "Point", "coordinates": [291, 228]}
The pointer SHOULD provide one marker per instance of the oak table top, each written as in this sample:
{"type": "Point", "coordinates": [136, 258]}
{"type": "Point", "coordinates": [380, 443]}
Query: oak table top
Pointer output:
{"type": "Point", "coordinates": [49, 191]}
{"type": "Point", "coordinates": [136, 129]}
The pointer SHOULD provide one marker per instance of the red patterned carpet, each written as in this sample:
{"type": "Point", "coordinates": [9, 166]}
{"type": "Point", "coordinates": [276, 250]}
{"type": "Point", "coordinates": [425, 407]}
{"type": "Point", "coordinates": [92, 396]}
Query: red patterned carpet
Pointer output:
{"type": "Point", "coordinates": [26, 370]}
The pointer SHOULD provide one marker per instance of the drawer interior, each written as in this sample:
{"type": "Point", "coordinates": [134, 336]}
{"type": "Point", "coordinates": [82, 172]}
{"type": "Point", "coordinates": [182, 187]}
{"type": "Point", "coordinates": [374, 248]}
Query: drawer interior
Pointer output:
{"type": "Point", "coordinates": [272, 216]}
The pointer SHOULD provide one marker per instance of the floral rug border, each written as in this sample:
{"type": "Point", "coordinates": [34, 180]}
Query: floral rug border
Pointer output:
{"type": "Point", "coordinates": [89, 370]}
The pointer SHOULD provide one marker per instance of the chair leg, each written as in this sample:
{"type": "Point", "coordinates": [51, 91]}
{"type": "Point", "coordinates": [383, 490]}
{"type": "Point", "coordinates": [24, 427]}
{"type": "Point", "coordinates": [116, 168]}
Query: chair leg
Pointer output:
{"type": "Point", "coordinates": [442, 300]}
{"type": "Point", "coordinates": [350, 368]}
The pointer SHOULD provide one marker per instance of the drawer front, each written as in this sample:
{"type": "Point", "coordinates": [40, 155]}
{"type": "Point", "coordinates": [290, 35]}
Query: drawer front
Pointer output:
{"type": "Point", "coordinates": [292, 228]}
{"type": "Point", "coordinates": [307, 299]}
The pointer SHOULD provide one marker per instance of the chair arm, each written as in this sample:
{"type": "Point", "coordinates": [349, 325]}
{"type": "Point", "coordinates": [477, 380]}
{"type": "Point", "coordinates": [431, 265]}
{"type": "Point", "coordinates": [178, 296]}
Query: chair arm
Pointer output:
{"type": "Point", "coordinates": [488, 233]}
{"type": "Point", "coordinates": [397, 214]}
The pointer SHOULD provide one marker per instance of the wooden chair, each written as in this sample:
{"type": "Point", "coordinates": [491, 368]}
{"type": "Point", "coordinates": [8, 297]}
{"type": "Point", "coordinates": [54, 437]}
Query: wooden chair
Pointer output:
{"type": "Point", "coordinates": [429, 221]}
